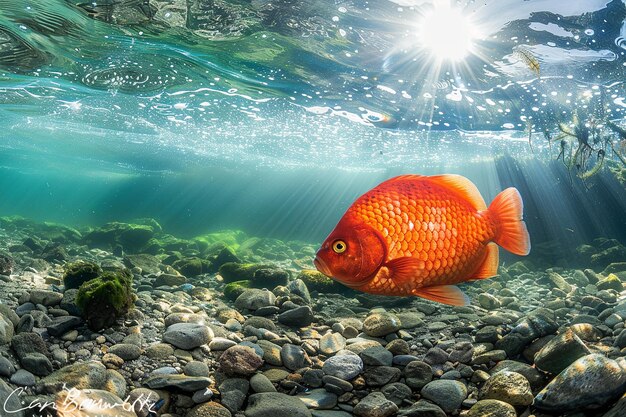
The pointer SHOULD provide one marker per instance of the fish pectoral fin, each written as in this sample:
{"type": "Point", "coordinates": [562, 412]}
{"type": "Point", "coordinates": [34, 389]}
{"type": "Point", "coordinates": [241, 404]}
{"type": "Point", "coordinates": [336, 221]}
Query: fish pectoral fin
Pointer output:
{"type": "Point", "coordinates": [445, 294]}
{"type": "Point", "coordinates": [404, 271]}
{"type": "Point", "coordinates": [489, 267]}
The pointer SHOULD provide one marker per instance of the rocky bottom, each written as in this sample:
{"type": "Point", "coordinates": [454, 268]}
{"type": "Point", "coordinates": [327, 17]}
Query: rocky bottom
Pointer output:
{"type": "Point", "coordinates": [126, 320]}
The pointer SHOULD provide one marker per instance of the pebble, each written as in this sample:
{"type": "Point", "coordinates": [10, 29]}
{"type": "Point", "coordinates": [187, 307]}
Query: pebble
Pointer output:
{"type": "Point", "coordinates": [424, 408]}
{"type": "Point", "coordinates": [187, 336]}
{"type": "Point", "coordinates": [560, 352]}
{"type": "Point", "coordinates": [261, 383]}
{"type": "Point", "coordinates": [381, 324]}
{"type": "Point", "coordinates": [445, 393]}
{"type": "Point", "coordinates": [332, 343]}
{"type": "Point", "coordinates": [125, 351]}
{"type": "Point", "coordinates": [376, 356]}
{"type": "Point", "coordinates": [345, 367]}
{"type": "Point", "coordinates": [294, 357]}
{"type": "Point", "coordinates": [418, 374]}
{"type": "Point", "coordinates": [240, 360]}
{"type": "Point", "coordinates": [274, 404]}
{"type": "Point", "coordinates": [23, 378]}
{"type": "Point", "coordinates": [510, 387]}
{"type": "Point", "coordinates": [492, 408]}
{"type": "Point", "coordinates": [589, 382]}
{"type": "Point", "coordinates": [375, 405]}
{"type": "Point", "coordinates": [319, 399]}
{"type": "Point", "coordinates": [297, 317]}
{"type": "Point", "coordinates": [177, 382]}
{"type": "Point", "coordinates": [253, 299]}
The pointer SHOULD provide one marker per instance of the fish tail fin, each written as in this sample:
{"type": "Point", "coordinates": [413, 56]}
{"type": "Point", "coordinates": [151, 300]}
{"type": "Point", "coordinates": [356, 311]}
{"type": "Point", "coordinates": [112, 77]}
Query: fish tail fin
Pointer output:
{"type": "Point", "coordinates": [511, 233]}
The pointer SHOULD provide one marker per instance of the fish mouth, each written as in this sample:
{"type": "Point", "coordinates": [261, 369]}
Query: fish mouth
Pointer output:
{"type": "Point", "coordinates": [322, 267]}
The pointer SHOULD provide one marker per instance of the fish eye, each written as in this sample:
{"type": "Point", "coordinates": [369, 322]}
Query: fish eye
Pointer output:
{"type": "Point", "coordinates": [339, 246]}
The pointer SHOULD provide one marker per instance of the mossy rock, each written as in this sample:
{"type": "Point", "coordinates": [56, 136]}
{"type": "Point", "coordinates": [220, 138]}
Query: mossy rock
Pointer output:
{"type": "Point", "coordinates": [104, 299]}
{"type": "Point", "coordinates": [233, 271]}
{"type": "Point", "coordinates": [269, 277]}
{"type": "Point", "coordinates": [148, 221]}
{"type": "Point", "coordinates": [192, 266]}
{"type": "Point", "coordinates": [79, 272]}
{"type": "Point", "coordinates": [58, 232]}
{"type": "Point", "coordinates": [54, 252]}
{"type": "Point", "coordinates": [316, 281]}
{"type": "Point", "coordinates": [16, 222]}
{"type": "Point", "coordinates": [220, 253]}
{"type": "Point", "coordinates": [168, 243]}
{"type": "Point", "coordinates": [170, 258]}
{"type": "Point", "coordinates": [235, 289]}
{"type": "Point", "coordinates": [612, 282]}
{"type": "Point", "coordinates": [131, 236]}
{"type": "Point", "coordinates": [136, 236]}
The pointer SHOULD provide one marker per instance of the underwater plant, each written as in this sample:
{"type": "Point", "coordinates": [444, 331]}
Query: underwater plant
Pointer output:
{"type": "Point", "coordinates": [105, 298]}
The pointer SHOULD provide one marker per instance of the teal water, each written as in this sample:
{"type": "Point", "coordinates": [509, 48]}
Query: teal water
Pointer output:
{"type": "Point", "coordinates": [274, 116]}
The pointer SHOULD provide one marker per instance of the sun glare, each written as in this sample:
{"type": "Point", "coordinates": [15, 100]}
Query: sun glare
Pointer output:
{"type": "Point", "coordinates": [446, 32]}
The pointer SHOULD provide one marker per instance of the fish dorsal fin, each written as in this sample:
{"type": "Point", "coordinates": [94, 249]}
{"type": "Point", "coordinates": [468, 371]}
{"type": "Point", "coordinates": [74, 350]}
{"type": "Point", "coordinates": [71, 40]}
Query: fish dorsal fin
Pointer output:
{"type": "Point", "coordinates": [445, 294]}
{"type": "Point", "coordinates": [461, 186]}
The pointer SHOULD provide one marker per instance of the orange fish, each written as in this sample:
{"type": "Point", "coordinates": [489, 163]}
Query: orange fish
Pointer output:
{"type": "Point", "coordinates": [419, 235]}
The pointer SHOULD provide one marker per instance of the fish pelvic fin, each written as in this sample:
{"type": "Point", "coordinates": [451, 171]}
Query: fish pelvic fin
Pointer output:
{"type": "Point", "coordinates": [511, 233]}
{"type": "Point", "coordinates": [445, 294]}
{"type": "Point", "coordinates": [489, 267]}
{"type": "Point", "coordinates": [406, 271]}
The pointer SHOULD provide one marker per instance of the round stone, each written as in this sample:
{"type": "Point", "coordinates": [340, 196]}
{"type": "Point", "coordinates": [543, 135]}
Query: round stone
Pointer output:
{"type": "Point", "coordinates": [510, 387]}
{"type": "Point", "coordinates": [345, 367]}
{"type": "Point", "coordinates": [491, 408]}
{"type": "Point", "coordinates": [447, 394]}
{"type": "Point", "coordinates": [240, 360]}
{"type": "Point", "coordinates": [188, 336]}
{"type": "Point", "coordinates": [381, 324]}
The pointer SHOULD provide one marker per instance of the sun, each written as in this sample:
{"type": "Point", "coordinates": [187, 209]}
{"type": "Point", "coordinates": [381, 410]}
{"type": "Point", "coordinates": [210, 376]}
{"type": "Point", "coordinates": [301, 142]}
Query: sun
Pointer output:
{"type": "Point", "coordinates": [446, 32]}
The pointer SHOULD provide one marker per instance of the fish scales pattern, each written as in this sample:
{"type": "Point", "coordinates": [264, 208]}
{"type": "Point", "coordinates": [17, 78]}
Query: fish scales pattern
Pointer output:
{"type": "Point", "coordinates": [426, 221]}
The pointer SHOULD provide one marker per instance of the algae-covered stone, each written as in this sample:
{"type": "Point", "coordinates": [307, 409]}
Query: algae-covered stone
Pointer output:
{"type": "Point", "coordinates": [235, 289]}
{"type": "Point", "coordinates": [612, 282]}
{"type": "Point", "coordinates": [79, 272]}
{"type": "Point", "coordinates": [131, 236]}
{"type": "Point", "coordinates": [192, 266]}
{"type": "Point", "coordinates": [223, 255]}
{"type": "Point", "coordinates": [104, 299]}
{"type": "Point", "coordinates": [231, 271]}
{"type": "Point", "coordinates": [316, 281]}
